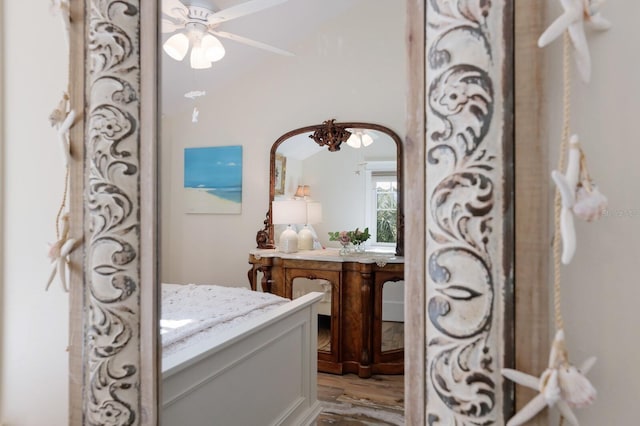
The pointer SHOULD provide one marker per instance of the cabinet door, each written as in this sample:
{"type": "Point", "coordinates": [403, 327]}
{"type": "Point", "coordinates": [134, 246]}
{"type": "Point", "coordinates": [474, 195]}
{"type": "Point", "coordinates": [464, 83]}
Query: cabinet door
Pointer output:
{"type": "Point", "coordinates": [388, 323]}
{"type": "Point", "coordinates": [299, 282]}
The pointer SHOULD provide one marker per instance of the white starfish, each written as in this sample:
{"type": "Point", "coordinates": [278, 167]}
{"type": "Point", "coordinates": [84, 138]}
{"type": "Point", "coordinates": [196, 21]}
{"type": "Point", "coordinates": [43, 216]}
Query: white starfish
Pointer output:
{"type": "Point", "coordinates": [62, 121]}
{"type": "Point", "coordinates": [59, 255]}
{"type": "Point", "coordinates": [63, 136]}
{"type": "Point", "coordinates": [576, 12]}
{"type": "Point", "coordinates": [567, 185]}
{"type": "Point", "coordinates": [561, 384]}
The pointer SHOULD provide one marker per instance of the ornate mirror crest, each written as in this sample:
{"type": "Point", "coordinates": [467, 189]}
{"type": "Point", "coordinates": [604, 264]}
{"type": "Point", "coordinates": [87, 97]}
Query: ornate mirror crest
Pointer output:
{"type": "Point", "coordinates": [331, 135]}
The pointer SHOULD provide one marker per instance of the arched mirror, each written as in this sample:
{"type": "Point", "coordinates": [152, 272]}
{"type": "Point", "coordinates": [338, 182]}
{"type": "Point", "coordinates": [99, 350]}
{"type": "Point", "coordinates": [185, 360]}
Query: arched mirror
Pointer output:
{"type": "Point", "coordinates": [352, 171]}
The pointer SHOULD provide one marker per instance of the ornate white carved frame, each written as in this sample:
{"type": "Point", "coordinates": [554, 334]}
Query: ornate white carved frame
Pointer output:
{"type": "Point", "coordinates": [459, 249]}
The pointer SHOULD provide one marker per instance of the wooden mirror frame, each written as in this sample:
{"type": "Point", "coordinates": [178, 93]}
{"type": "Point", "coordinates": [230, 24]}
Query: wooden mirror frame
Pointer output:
{"type": "Point", "coordinates": [265, 237]}
{"type": "Point", "coordinates": [113, 307]}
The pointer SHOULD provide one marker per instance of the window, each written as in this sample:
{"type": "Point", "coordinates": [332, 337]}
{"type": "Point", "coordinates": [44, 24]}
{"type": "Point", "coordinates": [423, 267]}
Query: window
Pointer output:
{"type": "Point", "coordinates": [382, 205]}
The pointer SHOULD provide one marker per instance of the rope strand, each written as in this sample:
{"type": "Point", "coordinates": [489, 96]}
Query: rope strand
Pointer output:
{"type": "Point", "coordinates": [566, 100]}
{"type": "Point", "coordinates": [566, 129]}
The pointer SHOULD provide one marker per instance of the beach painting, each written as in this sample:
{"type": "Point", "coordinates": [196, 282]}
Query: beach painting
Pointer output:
{"type": "Point", "coordinates": [213, 180]}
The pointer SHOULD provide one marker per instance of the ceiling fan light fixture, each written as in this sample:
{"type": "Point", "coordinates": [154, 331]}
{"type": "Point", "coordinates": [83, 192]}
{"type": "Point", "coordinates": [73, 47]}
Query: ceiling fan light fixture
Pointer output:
{"type": "Point", "coordinates": [366, 139]}
{"type": "Point", "coordinates": [213, 48]}
{"type": "Point", "coordinates": [359, 138]}
{"type": "Point", "coordinates": [199, 58]}
{"type": "Point", "coordinates": [354, 141]}
{"type": "Point", "coordinates": [177, 46]}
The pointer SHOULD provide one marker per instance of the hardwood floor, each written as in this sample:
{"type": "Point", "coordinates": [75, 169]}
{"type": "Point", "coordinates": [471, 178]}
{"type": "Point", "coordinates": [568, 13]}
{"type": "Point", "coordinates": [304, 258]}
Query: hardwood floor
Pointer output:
{"type": "Point", "coordinates": [382, 393]}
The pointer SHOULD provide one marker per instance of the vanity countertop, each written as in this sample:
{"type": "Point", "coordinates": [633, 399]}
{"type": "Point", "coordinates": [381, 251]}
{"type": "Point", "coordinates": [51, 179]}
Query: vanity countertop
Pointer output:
{"type": "Point", "coordinates": [330, 255]}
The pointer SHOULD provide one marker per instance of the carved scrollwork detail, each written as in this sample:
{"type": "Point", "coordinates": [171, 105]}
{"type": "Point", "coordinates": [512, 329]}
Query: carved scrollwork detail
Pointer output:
{"type": "Point", "coordinates": [111, 40]}
{"type": "Point", "coordinates": [462, 97]}
{"type": "Point", "coordinates": [381, 262]}
{"type": "Point", "coordinates": [263, 237]}
{"type": "Point", "coordinates": [459, 376]}
{"type": "Point", "coordinates": [331, 135]}
{"type": "Point", "coordinates": [456, 18]}
{"type": "Point", "coordinates": [473, 11]}
{"type": "Point", "coordinates": [111, 338]}
{"type": "Point", "coordinates": [461, 204]}
{"type": "Point", "coordinates": [461, 306]}
{"type": "Point", "coordinates": [464, 192]}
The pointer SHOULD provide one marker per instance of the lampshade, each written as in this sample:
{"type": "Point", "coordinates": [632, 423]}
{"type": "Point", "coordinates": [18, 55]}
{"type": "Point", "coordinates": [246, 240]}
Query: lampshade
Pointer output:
{"type": "Point", "coordinates": [199, 59]}
{"type": "Point", "coordinates": [285, 212]}
{"type": "Point", "coordinates": [177, 46]}
{"type": "Point", "coordinates": [302, 191]}
{"type": "Point", "coordinates": [213, 49]}
{"type": "Point", "coordinates": [205, 48]}
{"type": "Point", "coordinates": [359, 138]}
{"type": "Point", "coordinates": [314, 212]}
{"type": "Point", "coordinates": [288, 212]}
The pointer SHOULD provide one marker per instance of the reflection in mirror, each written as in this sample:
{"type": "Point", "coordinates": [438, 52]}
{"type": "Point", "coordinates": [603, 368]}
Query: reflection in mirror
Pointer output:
{"type": "Point", "coordinates": [247, 99]}
{"type": "Point", "coordinates": [392, 316]}
{"type": "Point", "coordinates": [353, 170]}
{"type": "Point", "coordinates": [302, 286]}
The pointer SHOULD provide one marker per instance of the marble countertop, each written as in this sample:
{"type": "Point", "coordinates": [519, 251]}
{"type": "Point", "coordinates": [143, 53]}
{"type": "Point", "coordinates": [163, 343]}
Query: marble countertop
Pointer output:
{"type": "Point", "coordinates": [330, 255]}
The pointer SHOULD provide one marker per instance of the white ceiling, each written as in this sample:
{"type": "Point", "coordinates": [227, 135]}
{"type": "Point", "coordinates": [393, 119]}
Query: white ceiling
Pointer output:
{"type": "Point", "coordinates": [281, 26]}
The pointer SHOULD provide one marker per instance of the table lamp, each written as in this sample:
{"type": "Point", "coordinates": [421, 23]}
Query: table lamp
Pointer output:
{"type": "Point", "coordinates": [314, 215]}
{"type": "Point", "coordinates": [302, 191]}
{"type": "Point", "coordinates": [288, 212]}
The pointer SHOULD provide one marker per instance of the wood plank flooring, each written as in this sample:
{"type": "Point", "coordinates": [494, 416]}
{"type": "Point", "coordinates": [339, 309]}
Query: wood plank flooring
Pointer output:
{"type": "Point", "coordinates": [382, 393]}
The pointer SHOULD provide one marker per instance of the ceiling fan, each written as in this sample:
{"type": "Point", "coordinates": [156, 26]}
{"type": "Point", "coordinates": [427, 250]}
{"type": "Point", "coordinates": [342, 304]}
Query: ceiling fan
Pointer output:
{"type": "Point", "coordinates": [196, 26]}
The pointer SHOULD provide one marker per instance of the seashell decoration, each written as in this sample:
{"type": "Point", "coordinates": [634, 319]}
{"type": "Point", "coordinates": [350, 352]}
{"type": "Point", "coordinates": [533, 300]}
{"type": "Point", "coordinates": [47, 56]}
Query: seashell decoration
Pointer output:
{"type": "Point", "coordinates": [592, 10]}
{"type": "Point", "coordinates": [561, 385]}
{"type": "Point", "coordinates": [575, 388]}
{"type": "Point", "coordinates": [59, 255]}
{"type": "Point", "coordinates": [567, 184]}
{"type": "Point", "coordinates": [590, 204]}
{"type": "Point", "coordinates": [580, 197]}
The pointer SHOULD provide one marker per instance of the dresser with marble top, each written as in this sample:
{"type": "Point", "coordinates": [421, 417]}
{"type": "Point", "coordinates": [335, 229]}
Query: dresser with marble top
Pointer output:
{"type": "Point", "coordinates": [361, 317]}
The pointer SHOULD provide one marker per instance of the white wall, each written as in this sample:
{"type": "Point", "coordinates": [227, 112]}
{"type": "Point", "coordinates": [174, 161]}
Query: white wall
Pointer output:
{"type": "Point", "coordinates": [2, 61]}
{"type": "Point", "coordinates": [601, 289]}
{"type": "Point", "coordinates": [34, 324]}
{"type": "Point", "coordinates": [343, 73]}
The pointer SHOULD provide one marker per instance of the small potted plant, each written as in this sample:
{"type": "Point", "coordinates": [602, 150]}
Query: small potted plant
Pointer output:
{"type": "Point", "coordinates": [357, 238]}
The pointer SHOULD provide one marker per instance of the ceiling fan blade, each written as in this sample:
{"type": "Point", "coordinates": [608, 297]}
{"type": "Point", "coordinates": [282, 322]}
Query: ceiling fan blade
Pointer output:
{"type": "Point", "coordinates": [169, 26]}
{"type": "Point", "coordinates": [242, 9]}
{"type": "Point", "coordinates": [251, 43]}
{"type": "Point", "coordinates": [174, 9]}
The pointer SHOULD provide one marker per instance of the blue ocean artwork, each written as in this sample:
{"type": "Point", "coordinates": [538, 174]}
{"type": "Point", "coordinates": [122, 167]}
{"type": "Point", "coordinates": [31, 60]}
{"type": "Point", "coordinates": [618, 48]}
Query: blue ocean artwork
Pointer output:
{"type": "Point", "coordinates": [215, 170]}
